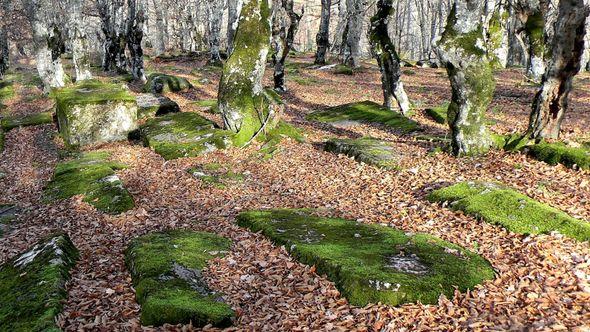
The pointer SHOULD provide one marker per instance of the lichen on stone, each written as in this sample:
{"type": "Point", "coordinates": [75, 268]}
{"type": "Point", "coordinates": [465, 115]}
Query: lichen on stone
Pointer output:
{"type": "Point", "coordinates": [163, 83]}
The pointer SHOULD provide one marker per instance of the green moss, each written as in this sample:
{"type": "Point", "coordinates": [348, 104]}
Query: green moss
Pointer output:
{"type": "Point", "coordinates": [166, 270]}
{"type": "Point", "coordinates": [162, 83]}
{"type": "Point", "coordinates": [560, 153]}
{"type": "Point", "coordinates": [215, 174]}
{"type": "Point", "coordinates": [512, 142]}
{"type": "Point", "coordinates": [371, 263]}
{"type": "Point", "coordinates": [535, 31]}
{"type": "Point", "coordinates": [274, 136]}
{"type": "Point", "coordinates": [210, 105]}
{"type": "Point", "coordinates": [183, 135]}
{"type": "Point", "coordinates": [514, 211]}
{"type": "Point", "coordinates": [32, 285]}
{"type": "Point", "coordinates": [93, 176]}
{"type": "Point", "coordinates": [368, 150]}
{"type": "Point", "coordinates": [366, 111]}
{"type": "Point", "coordinates": [439, 113]}
{"type": "Point", "coordinates": [6, 90]}
{"type": "Point", "coordinates": [343, 70]}
{"type": "Point", "coordinates": [9, 123]}
{"type": "Point", "coordinates": [90, 92]}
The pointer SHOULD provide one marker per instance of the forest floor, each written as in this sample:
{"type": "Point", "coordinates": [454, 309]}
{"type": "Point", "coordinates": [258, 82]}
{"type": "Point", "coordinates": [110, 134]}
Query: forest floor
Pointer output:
{"type": "Point", "coordinates": [542, 281]}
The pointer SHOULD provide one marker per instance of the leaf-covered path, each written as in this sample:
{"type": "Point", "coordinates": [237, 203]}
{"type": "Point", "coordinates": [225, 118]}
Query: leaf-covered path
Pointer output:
{"type": "Point", "coordinates": [543, 282]}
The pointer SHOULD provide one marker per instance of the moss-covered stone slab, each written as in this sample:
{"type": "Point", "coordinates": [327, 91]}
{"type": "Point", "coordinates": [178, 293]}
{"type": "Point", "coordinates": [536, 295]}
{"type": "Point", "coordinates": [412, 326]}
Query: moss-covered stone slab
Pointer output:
{"type": "Point", "coordinates": [372, 263]}
{"type": "Point", "coordinates": [368, 150]}
{"type": "Point", "coordinates": [162, 83]}
{"type": "Point", "coordinates": [93, 176]}
{"type": "Point", "coordinates": [182, 135]}
{"type": "Point", "coordinates": [368, 112]}
{"type": "Point", "coordinates": [36, 119]}
{"type": "Point", "coordinates": [167, 274]}
{"type": "Point", "coordinates": [92, 112]}
{"type": "Point", "coordinates": [439, 113]}
{"type": "Point", "coordinates": [561, 153]}
{"type": "Point", "coordinates": [518, 213]}
{"type": "Point", "coordinates": [32, 285]}
{"type": "Point", "coordinates": [152, 105]}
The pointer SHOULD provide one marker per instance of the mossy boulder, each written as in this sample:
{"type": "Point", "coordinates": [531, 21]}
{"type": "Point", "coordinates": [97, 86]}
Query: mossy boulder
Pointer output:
{"type": "Point", "coordinates": [163, 83]}
{"type": "Point", "coordinates": [12, 122]}
{"type": "Point", "coordinates": [209, 105]}
{"type": "Point", "coordinates": [6, 91]}
{"type": "Point", "coordinates": [152, 105]}
{"type": "Point", "coordinates": [368, 112]}
{"type": "Point", "coordinates": [32, 285]}
{"type": "Point", "coordinates": [372, 263]}
{"type": "Point", "coordinates": [561, 153]}
{"type": "Point", "coordinates": [439, 113]}
{"type": "Point", "coordinates": [92, 112]}
{"type": "Point", "coordinates": [518, 213]}
{"type": "Point", "coordinates": [183, 135]}
{"type": "Point", "coordinates": [368, 150]}
{"type": "Point", "coordinates": [93, 176]}
{"type": "Point", "coordinates": [167, 275]}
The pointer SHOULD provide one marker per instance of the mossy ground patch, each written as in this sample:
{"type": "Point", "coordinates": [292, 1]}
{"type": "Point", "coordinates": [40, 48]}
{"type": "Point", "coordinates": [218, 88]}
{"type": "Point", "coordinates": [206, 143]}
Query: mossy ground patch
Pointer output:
{"type": "Point", "coordinates": [371, 263]}
{"type": "Point", "coordinates": [32, 285]}
{"type": "Point", "coordinates": [166, 270]}
{"type": "Point", "coordinates": [367, 111]}
{"type": "Point", "coordinates": [500, 205]}
{"type": "Point", "coordinates": [561, 153]}
{"type": "Point", "coordinates": [183, 135]}
{"type": "Point", "coordinates": [93, 176]}
{"type": "Point", "coordinates": [439, 113]}
{"type": "Point", "coordinates": [368, 150]}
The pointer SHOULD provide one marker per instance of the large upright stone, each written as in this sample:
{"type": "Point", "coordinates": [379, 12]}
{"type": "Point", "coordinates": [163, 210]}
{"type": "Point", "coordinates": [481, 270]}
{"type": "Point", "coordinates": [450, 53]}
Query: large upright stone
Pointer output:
{"type": "Point", "coordinates": [94, 112]}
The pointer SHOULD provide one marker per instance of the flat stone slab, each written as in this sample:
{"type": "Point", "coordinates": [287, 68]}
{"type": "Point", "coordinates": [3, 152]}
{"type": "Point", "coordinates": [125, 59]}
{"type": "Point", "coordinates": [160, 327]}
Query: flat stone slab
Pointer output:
{"type": "Point", "coordinates": [367, 150]}
{"type": "Point", "coordinates": [183, 135]}
{"type": "Point", "coordinates": [372, 263]}
{"type": "Point", "coordinates": [152, 105]}
{"type": "Point", "coordinates": [518, 213]}
{"type": "Point", "coordinates": [12, 122]}
{"type": "Point", "coordinates": [93, 176]}
{"type": "Point", "coordinates": [167, 275]}
{"type": "Point", "coordinates": [32, 285]}
{"type": "Point", "coordinates": [162, 83]}
{"type": "Point", "coordinates": [367, 112]}
{"type": "Point", "coordinates": [93, 112]}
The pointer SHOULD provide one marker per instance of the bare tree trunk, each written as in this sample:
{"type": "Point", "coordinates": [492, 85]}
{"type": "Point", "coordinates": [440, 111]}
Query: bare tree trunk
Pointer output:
{"type": "Point", "coordinates": [135, 22]}
{"type": "Point", "coordinates": [284, 27]}
{"type": "Point", "coordinates": [464, 49]}
{"type": "Point", "coordinates": [4, 51]}
{"type": "Point", "coordinates": [215, 8]}
{"type": "Point", "coordinates": [79, 41]}
{"type": "Point", "coordinates": [232, 22]}
{"type": "Point", "coordinates": [551, 101]}
{"type": "Point", "coordinates": [241, 96]}
{"type": "Point", "coordinates": [340, 33]}
{"type": "Point", "coordinates": [113, 26]}
{"type": "Point", "coordinates": [323, 36]}
{"type": "Point", "coordinates": [48, 43]}
{"type": "Point", "coordinates": [387, 58]}
{"type": "Point", "coordinates": [159, 45]}
{"type": "Point", "coordinates": [352, 49]}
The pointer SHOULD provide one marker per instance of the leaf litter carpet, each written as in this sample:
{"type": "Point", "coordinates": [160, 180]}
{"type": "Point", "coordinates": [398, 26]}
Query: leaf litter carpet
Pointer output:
{"type": "Point", "coordinates": [543, 282]}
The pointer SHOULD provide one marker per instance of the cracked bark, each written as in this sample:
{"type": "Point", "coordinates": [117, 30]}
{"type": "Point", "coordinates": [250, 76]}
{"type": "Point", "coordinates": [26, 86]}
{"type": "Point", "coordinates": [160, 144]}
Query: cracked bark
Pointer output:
{"type": "Point", "coordinates": [323, 37]}
{"type": "Point", "coordinates": [284, 27]}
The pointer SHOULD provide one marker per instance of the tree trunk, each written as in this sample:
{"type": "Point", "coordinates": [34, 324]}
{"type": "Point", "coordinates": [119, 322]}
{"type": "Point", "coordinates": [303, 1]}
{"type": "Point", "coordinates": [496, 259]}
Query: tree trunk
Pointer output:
{"type": "Point", "coordinates": [340, 33]}
{"type": "Point", "coordinates": [352, 49]}
{"type": "Point", "coordinates": [463, 48]}
{"type": "Point", "coordinates": [232, 22]}
{"type": "Point", "coordinates": [387, 58]}
{"type": "Point", "coordinates": [284, 27]}
{"type": "Point", "coordinates": [159, 45]}
{"type": "Point", "coordinates": [48, 43]}
{"type": "Point", "coordinates": [323, 37]}
{"type": "Point", "coordinates": [79, 41]}
{"type": "Point", "coordinates": [215, 17]}
{"type": "Point", "coordinates": [113, 26]}
{"type": "Point", "coordinates": [551, 101]}
{"type": "Point", "coordinates": [241, 97]}
{"type": "Point", "coordinates": [4, 51]}
{"type": "Point", "coordinates": [135, 22]}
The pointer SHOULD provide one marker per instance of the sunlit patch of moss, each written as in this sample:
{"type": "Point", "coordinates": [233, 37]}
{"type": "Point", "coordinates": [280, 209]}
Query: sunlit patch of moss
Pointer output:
{"type": "Point", "coordinates": [366, 111]}
{"type": "Point", "coordinates": [93, 176]}
{"type": "Point", "coordinates": [162, 83]}
{"type": "Point", "coordinates": [344, 70]}
{"type": "Point", "coordinates": [210, 105]}
{"type": "Point", "coordinates": [371, 263]}
{"type": "Point", "coordinates": [12, 122]}
{"type": "Point", "coordinates": [166, 270]}
{"type": "Point", "coordinates": [518, 213]}
{"type": "Point", "coordinates": [32, 285]}
{"type": "Point", "coordinates": [274, 136]}
{"type": "Point", "coordinates": [6, 90]}
{"type": "Point", "coordinates": [561, 153]}
{"type": "Point", "coordinates": [439, 113]}
{"type": "Point", "coordinates": [182, 135]}
{"type": "Point", "coordinates": [367, 150]}
{"type": "Point", "coordinates": [90, 92]}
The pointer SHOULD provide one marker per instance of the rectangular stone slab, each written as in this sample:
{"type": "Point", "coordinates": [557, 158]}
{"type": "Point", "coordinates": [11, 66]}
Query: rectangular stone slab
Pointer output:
{"type": "Point", "coordinates": [166, 270]}
{"type": "Point", "coordinates": [32, 285]}
{"type": "Point", "coordinates": [367, 150]}
{"type": "Point", "coordinates": [518, 213]}
{"type": "Point", "coordinates": [371, 263]}
{"type": "Point", "coordinates": [93, 112]}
